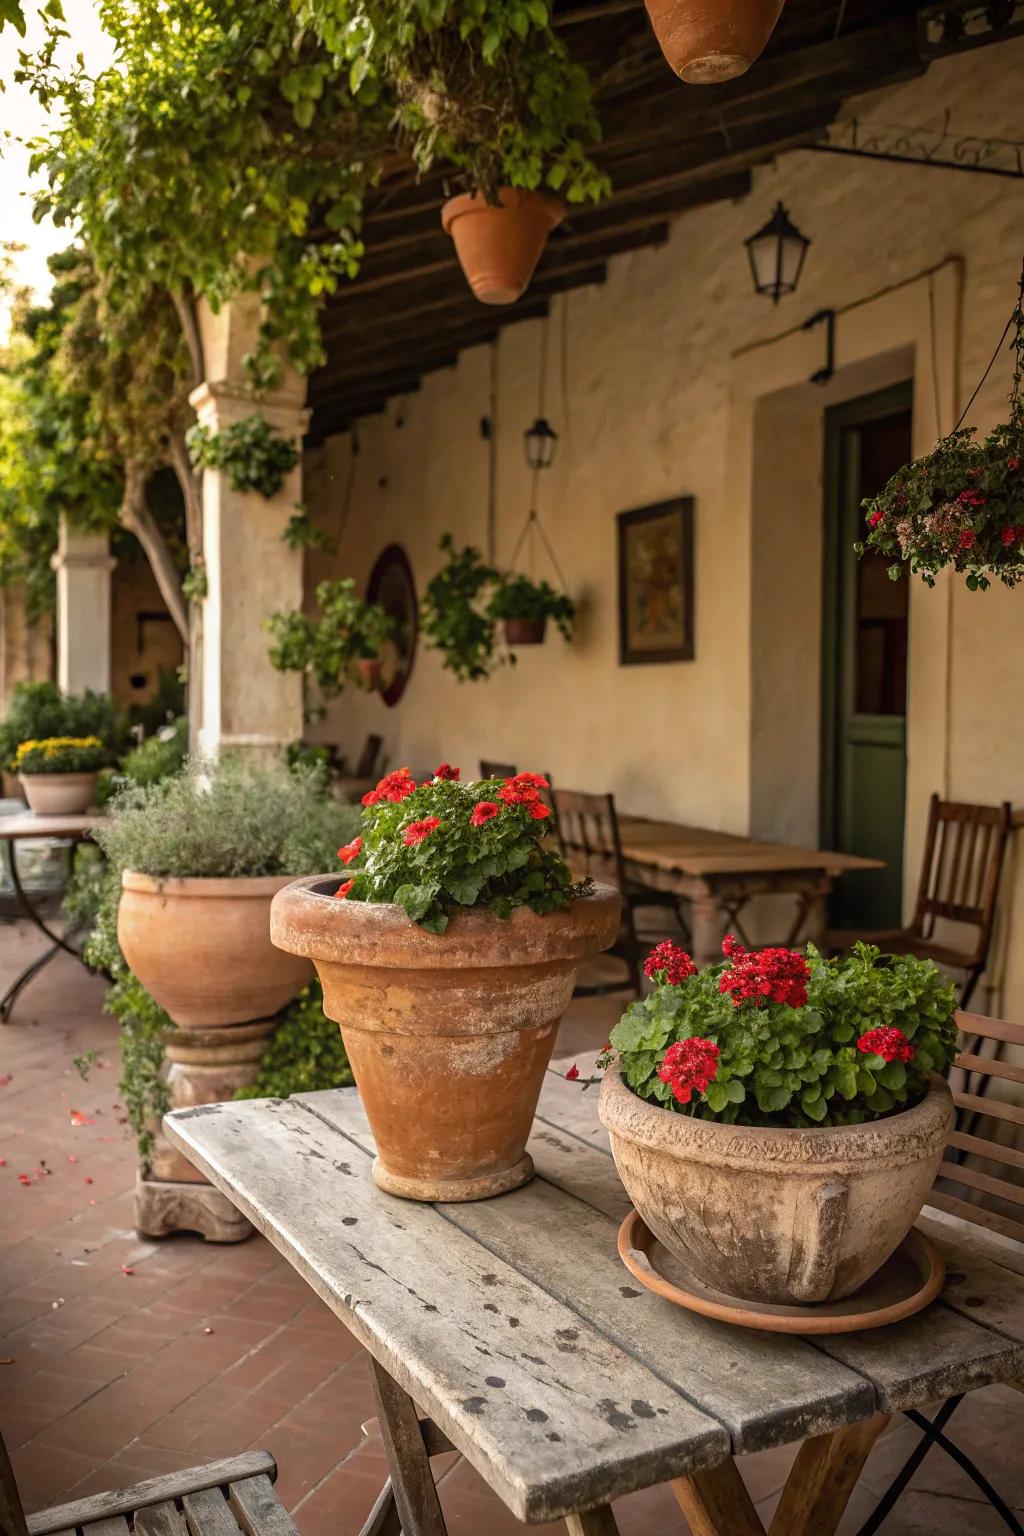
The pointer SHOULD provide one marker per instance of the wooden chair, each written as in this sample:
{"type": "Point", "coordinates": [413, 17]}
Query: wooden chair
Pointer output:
{"type": "Point", "coordinates": [223, 1498]}
{"type": "Point", "coordinates": [988, 1200]}
{"type": "Point", "coordinates": [369, 758]}
{"type": "Point", "coordinates": [496, 770]}
{"type": "Point", "coordinates": [589, 828]}
{"type": "Point", "coordinates": [960, 873]}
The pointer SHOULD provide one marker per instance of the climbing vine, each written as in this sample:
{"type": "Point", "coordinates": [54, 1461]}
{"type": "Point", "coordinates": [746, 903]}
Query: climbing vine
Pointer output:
{"type": "Point", "coordinates": [252, 455]}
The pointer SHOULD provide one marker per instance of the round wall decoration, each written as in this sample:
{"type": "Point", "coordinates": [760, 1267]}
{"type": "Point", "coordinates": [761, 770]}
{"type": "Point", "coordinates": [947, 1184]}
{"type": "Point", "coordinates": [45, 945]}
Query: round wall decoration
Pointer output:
{"type": "Point", "coordinates": [391, 584]}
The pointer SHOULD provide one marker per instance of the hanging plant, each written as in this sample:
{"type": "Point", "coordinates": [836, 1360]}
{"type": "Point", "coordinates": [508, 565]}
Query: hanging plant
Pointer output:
{"type": "Point", "coordinates": [343, 645]}
{"type": "Point", "coordinates": [962, 505]}
{"type": "Point", "coordinates": [252, 455]}
{"type": "Point", "coordinates": [526, 606]}
{"type": "Point", "coordinates": [706, 44]}
{"type": "Point", "coordinates": [453, 614]}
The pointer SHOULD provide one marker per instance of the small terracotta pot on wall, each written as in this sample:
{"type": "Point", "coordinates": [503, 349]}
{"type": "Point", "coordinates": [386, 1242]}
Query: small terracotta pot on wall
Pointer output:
{"type": "Point", "coordinates": [499, 246]}
{"type": "Point", "coordinates": [526, 631]}
{"type": "Point", "coordinates": [786, 1216]}
{"type": "Point", "coordinates": [367, 670]}
{"type": "Point", "coordinates": [707, 41]}
{"type": "Point", "coordinates": [201, 947]}
{"type": "Point", "coordinates": [58, 794]}
{"type": "Point", "coordinates": [448, 1035]}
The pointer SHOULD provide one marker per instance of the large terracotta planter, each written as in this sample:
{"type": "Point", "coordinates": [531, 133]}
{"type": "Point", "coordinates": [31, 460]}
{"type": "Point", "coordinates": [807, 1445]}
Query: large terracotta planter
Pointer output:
{"type": "Point", "coordinates": [498, 246]}
{"type": "Point", "coordinates": [707, 41]}
{"type": "Point", "coordinates": [59, 794]}
{"type": "Point", "coordinates": [790, 1216]}
{"type": "Point", "coordinates": [202, 947]}
{"type": "Point", "coordinates": [448, 1035]}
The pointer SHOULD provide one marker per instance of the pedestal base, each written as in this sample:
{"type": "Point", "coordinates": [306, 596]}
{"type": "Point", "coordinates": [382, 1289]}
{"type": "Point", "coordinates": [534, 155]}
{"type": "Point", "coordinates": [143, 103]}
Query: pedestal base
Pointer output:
{"type": "Point", "coordinates": [164, 1207]}
{"type": "Point", "coordinates": [447, 1190]}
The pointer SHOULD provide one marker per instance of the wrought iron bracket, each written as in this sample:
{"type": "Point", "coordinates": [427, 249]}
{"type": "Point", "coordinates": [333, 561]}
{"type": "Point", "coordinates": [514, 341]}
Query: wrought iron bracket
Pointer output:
{"type": "Point", "coordinates": [827, 317]}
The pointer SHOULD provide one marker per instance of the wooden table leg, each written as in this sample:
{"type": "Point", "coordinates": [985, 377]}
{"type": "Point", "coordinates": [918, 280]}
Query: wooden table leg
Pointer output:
{"type": "Point", "coordinates": [715, 1502]}
{"type": "Point", "coordinates": [595, 1522]}
{"type": "Point", "coordinates": [707, 925]}
{"type": "Point", "coordinates": [824, 1475]}
{"type": "Point", "coordinates": [419, 1509]}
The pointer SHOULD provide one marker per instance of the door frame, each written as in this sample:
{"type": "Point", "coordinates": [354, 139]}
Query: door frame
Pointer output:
{"type": "Point", "coordinates": [838, 418]}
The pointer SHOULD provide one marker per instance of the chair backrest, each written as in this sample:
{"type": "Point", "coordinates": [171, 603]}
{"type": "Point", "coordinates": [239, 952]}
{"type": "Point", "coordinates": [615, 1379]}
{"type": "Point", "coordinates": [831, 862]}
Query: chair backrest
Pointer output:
{"type": "Point", "coordinates": [992, 1201]}
{"type": "Point", "coordinates": [490, 770]}
{"type": "Point", "coordinates": [589, 831]}
{"type": "Point", "coordinates": [961, 868]}
{"type": "Point", "coordinates": [366, 767]}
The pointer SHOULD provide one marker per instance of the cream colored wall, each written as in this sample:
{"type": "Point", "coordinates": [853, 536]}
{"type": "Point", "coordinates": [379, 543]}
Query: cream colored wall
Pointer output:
{"type": "Point", "coordinates": [667, 390]}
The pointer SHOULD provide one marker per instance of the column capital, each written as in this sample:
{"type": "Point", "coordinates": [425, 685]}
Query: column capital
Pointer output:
{"type": "Point", "coordinates": [218, 403]}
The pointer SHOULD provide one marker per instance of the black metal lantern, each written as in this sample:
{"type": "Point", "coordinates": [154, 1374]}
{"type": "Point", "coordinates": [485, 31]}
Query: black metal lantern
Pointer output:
{"type": "Point", "coordinates": [777, 254]}
{"type": "Point", "coordinates": [540, 442]}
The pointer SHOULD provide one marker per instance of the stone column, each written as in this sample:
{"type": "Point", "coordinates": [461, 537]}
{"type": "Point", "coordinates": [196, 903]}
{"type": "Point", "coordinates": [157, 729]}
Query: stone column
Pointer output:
{"type": "Point", "coordinates": [83, 565]}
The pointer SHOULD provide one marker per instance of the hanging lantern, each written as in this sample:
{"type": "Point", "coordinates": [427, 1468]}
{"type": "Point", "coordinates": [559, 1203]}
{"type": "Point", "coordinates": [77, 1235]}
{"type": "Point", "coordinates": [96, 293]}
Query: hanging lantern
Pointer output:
{"type": "Point", "coordinates": [540, 442]}
{"type": "Point", "coordinates": [777, 254]}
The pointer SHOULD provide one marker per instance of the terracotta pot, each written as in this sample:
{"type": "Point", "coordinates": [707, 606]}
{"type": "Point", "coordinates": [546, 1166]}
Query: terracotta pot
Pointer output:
{"type": "Point", "coordinates": [448, 1034]}
{"type": "Point", "coordinates": [202, 947]}
{"type": "Point", "coordinates": [368, 671]}
{"type": "Point", "coordinates": [59, 794]}
{"type": "Point", "coordinates": [499, 246]}
{"type": "Point", "coordinates": [707, 41]}
{"type": "Point", "coordinates": [10, 786]}
{"type": "Point", "coordinates": [525, 631]}
{"type": "Point", "coordinates": [790, 1216]}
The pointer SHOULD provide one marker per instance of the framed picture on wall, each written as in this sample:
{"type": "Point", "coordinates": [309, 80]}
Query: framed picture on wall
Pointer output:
{"type": "Point", "coordinates": [391, 584]}
{"type": "Point", "coordinates": [656, 583]}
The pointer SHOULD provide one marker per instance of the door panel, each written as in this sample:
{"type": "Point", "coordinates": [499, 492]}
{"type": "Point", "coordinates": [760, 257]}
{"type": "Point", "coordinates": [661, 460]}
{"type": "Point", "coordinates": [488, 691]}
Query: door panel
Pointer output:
{"type": "Point", "coordinates": [865, 662]}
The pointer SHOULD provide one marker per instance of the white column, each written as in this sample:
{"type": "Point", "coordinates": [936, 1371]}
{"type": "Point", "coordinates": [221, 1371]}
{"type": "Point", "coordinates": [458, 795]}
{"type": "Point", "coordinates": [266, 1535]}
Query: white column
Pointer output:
{"type": "Point", "coordinates": [83, 565]}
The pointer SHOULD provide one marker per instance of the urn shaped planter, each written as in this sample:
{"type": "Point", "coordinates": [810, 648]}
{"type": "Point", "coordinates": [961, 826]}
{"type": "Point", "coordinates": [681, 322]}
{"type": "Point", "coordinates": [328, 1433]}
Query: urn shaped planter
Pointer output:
{"type": "Point", "coordinates": [707, 41]}
{"type": "Point", "coordinates": [498, 245]}
{"type": "Point", "coordinates": [777, 1215]}
{"type": "Point", "coordinates": [448, 1035]}
{"type": "Point", "coordinates": [59, 794]}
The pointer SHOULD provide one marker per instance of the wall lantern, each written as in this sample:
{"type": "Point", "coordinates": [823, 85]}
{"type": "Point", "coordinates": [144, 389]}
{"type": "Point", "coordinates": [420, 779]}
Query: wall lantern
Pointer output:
{"type": "Point", "coordinates": [540, 442]}
{"type": "Point", "coordinates": [777, 254]}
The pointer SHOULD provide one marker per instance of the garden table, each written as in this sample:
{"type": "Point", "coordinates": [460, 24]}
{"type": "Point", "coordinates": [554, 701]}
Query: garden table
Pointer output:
{"type": "Point", "coordinates": [14, 829]}
{"type": "Point", "coordinates": [718, 873]}
{"type": "Point", "coordinates": [509, 1330]}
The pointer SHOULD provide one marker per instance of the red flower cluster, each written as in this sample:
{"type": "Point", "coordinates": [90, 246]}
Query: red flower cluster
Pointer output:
{"type": "Point", "coordinates": [967, 538]}
{"type": "Point", "coordinates": [1013, 464]}
{"type": "Point", "coordinates": [483, 812]}
{"type": "Point", "coordinates": [446, 771]}
{"type": "Point", "coordinates": [667, 962]}
{"type": "Point", "coordinates": [393, 786]}
{"type": "Point", "coordinates": [524, 789]}
{"type": "Point", "coordinates": [351, 850]}
{"type": "Point", "coordinates": [688, 1065]}
{"type": "Point", "coordinates": [970, 498]}
{"type": "Point", "coordinates": [1013, 534]}
{"type": "Point", "coordinates": [344, 889]}
{"type": "Point", "coordinates": [890, 1044]}
{"type": "Point", "coordinates": [764, 976]}
{"type": "Point", "coordinates": [418, 831]}
{"type": "Point", "coordinates": [875, 517]}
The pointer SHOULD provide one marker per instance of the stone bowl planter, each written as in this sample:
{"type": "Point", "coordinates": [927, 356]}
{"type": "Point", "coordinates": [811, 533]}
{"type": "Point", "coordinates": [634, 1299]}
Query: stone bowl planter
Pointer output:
{"type": "Point", "coordinates": [201, 947]}
{"type": "Point", "coordinates": [58, 794]}
{"type": "Point", "coordinates": [777, 1215]}
{"type": "Point", "coordinates": [498, 245]}
{"type": "Point", "coordinates": [448, 1035]}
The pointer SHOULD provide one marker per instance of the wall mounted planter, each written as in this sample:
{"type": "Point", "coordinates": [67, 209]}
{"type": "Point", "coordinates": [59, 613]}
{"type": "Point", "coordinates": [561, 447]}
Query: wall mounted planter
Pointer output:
{"type": "Point", "coordinates": [707, 41]}
{"type": "Point", "coordinates": [499, 246]}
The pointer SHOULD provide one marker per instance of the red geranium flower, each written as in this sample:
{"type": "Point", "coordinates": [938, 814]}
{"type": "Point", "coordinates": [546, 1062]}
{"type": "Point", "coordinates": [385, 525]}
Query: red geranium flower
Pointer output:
{"type": "Point", "coordinates": [522, 789]}
{"type": "Point", "coordinates": [371, 797]}
{"type": "Point", "coordinates": [1013, 464]}
{"type": "Point", "coordinates": [731, 947]}
{"type": "Point", "coordinates": [351, 850]}
{"type": "Point", "coordinates": [483, 813]}
{"type": "Point", "coordinates": [890, 1044]}
{"type": "Point", "coordinates": [874, 518]}
{"type": "Point", "coordinates": [394, 786]}
{"type": "Point", "coordinates": [1012, 535]}
{"type": "Point", "coordinates": [765, 976]}
{"type": "Point", "coordinates": [344, 889]}
{"type": "Point", "coordinates": [967, 538]}
{"type": "Point", "coordinates": [669, 963]}
{"type": "Point", "coordinates": [539, 811]}
{"type": "Point", "coordinates": [446, 771]}
{"type": "Point", "coordinates": [688, 1065]}
{"type": "Point", "coordinates": [419, 831]}
{"type": "Point", "coordinates": [971, 498]}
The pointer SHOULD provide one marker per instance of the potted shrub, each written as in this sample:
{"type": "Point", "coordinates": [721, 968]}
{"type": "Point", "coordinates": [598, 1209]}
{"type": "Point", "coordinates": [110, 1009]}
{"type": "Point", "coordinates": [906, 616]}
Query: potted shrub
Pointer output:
{"type": "Point", "coordinates": [448, 955]}
{"type": "Point", "coordinates": [40, 710]}
{"type": "Point", "coordinates": [778, 1121]}
{"type": "Point", "coordinates": [707, 43]}
{"type": "Point", "coordinates": [525, 606]}
{"type": "Point", "coordinates": [59, 773]}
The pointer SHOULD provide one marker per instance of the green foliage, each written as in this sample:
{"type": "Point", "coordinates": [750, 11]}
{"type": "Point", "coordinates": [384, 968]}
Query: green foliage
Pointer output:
{"type": "Point", "coordinates": [304, 1054]}
{"type": "Point", "coordinates": [143, 1027]}
{"type": "Point", "coordinates": [159, 756]}
{"type": "Point", "coordinates": [252, 455]}
{"type": "Point", "coordinates": [517, 597]}
{"type": "Point", "coordinates": [302, 533]}
{"type": "Point", "coordinates": [786, 1066]}
{"type": "Point", "coordinates": [234, 817]}
{"type": "Point", "coordinates": [502, 864]}
{"type": "Point", "coordinates": [453, 613]}
{"type": "Point", "coordinates": [61, 754]}
{"type": "Point", "coordinates": [39, 710]}
{"type": "Point", "coordinates": [324, 649]}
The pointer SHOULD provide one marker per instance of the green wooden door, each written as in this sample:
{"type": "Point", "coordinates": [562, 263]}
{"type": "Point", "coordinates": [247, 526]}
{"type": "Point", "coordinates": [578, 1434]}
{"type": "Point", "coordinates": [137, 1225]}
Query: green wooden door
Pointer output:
{"type": "Point", "coordinates": [864, 715]}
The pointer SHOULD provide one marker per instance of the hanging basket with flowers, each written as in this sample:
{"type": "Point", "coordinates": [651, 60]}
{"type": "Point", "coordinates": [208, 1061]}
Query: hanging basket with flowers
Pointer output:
{"type": "Point", "coordinates": [962, 505]}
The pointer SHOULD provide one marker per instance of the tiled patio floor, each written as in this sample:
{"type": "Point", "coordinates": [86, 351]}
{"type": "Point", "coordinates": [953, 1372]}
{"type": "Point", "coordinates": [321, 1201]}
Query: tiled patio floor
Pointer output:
{"type": "Point", "coordinates": [121, 1358]}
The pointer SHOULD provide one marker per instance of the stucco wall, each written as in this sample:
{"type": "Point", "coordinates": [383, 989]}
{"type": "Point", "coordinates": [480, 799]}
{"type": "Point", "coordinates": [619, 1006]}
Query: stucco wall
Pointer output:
{"type": "Point", "coordinates": [648, 396]}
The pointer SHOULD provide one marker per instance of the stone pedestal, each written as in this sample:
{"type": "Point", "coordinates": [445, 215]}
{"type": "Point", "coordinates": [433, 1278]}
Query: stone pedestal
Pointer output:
{"type": "Point", "coordinates": [83, 564]}
{"type": "Point", "coordinates": [165, 1207]}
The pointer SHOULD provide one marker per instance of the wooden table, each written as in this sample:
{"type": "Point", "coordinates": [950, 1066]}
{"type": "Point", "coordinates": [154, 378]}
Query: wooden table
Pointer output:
{"type": "Point", "coordinates": [718, 873]}
{"type": "Point", "coordinates": [13, 829]}
{"type": "Point", "coordinates": [510, 1330]}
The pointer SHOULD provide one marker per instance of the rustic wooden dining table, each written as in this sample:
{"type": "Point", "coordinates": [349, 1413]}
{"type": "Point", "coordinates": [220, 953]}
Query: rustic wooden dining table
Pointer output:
{"type": "Point", "coordinates": [718, 873]}
{"type": "Point", "coordinates": [509, 1330]}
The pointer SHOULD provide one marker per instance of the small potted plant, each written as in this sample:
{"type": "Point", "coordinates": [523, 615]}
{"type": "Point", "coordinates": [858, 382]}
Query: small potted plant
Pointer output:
{"type": "Point", "coordinates": [373, 626]}
{"type": "Point", "coordinates": [39, 710]}
{"type": "Point", "coordinates": [59, 773]}
{"type": "Point", "coordinates": [779, 1120]}
{"type": "Point", "coordinates": [344, 644]}
{"type": "Point", "coordinates": [448, 955]}
{"type": "Point", "coordinates": [525, 606]}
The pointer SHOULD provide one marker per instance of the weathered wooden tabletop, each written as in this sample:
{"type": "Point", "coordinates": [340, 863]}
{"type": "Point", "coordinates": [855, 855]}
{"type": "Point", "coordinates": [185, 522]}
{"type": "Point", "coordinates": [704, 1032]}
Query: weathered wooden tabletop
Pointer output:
{"type": "Point", "coordinates": [27, 824]}
{"type": "Point", "coordinates": [514, 1325]}
{"type": "Point", "coordinates": [669, 845]}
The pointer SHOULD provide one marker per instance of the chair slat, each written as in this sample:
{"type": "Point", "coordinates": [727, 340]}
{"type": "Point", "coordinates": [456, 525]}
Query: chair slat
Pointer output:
{"type": "Point", "coordinates": [1005, 1070]}
{"type": "Point", "coordinates": [997, 1108]}
{"type": "Point", "coordinates": [1002, 1189]}
{"type": "Point", "coordinates": [258, 1510]}
{"type": "Point", "coordinates": [993, 1150]}
{"type": "Point", "coordinates": [207, 1513]}
{"type": "Point", "coordinates": [972, 1024]}
{"type": "Point", "coordinates": [161, 1520]}
{"type": "Point", "coordinates": [977, 1214]}
{"type": "Point", "coordinates": [155, 1490]}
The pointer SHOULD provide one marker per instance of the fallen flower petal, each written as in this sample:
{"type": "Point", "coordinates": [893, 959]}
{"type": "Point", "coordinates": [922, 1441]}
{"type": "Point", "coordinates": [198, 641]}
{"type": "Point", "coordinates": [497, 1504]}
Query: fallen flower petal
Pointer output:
{"type": "Point", "coordinates": [126, 1269]}
{"type": "Point", "coordinates": [572, 1074]}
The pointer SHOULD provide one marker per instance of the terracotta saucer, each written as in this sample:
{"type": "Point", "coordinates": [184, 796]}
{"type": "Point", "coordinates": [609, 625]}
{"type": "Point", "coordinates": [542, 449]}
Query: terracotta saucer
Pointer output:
{"type": "Point", "coordinates": [908, 1281]}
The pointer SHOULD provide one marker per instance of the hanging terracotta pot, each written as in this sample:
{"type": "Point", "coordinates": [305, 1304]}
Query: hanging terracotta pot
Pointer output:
{"type": "Point", "coordinates": [525, 631]}
{"type": "Point", "coordinates": [368, 672]}
{"type": "Point", "coordinates": [498, 245]}
{"type": "Point", "coordinates": [707, 41]}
